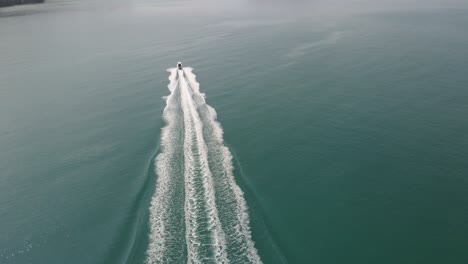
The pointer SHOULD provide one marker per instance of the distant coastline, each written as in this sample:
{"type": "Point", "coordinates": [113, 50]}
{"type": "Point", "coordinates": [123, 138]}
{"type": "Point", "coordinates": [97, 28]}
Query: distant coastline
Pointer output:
{"type": "Point", "coordinates": [5, 3]}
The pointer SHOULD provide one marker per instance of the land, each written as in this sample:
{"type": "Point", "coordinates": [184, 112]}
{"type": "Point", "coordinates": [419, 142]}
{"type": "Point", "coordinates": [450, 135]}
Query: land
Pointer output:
{"type": "Point", "coordinates": [5, 3]}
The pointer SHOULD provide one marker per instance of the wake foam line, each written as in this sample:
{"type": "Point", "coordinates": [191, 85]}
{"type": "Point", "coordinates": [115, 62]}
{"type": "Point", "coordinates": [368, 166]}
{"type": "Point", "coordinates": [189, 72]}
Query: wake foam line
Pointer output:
{"type": "Point", "coordinates": [235, 215]}
{"type": "Point", "coordinates": [204, 235]}
{"type": "Point", "coordinates": [196, 193]}
{"type": "Point", "coordinates": [165, 220]}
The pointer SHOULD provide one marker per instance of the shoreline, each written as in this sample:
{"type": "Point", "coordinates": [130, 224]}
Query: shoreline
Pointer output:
{"type": "Point", "coordinates": [7, 3]}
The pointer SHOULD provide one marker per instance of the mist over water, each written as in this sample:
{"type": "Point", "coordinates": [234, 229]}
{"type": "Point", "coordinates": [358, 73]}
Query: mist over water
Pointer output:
{"type": "Point", "coordinates": [343, 133]}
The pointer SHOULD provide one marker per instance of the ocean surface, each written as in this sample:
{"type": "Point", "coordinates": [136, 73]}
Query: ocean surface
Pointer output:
{"type": "Point", "coordinates": [299, 134]}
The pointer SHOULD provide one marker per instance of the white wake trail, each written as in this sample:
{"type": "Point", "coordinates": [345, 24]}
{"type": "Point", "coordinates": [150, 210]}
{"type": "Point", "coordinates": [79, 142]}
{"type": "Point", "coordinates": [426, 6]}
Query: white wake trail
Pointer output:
{"type": "Point", "coordinates": [204, 235]}
{"type": "Point", "coordinates": [198, 213]}
{"type": "Point", "coordinates": [166, 222]}
{"type": "Point", "coordinates": [229, 197]}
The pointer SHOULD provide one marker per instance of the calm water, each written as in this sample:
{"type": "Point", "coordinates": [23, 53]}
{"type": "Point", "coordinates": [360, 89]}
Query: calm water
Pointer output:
{"type": "Point", "coordinates": [348, 129]}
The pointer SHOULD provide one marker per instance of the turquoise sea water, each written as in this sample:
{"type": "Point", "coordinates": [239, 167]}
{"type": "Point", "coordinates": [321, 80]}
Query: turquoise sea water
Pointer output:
{"type": "Point", "coordinates": [348, 129]}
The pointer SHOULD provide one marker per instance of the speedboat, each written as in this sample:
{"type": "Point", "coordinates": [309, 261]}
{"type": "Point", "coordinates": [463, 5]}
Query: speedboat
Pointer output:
{"type": "Point", "coordinates": [179, 65]}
